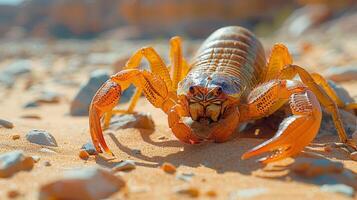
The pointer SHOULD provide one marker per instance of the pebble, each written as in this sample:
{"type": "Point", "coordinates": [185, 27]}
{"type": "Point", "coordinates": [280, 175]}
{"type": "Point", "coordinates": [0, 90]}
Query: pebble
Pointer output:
{"type": "Point", "coordinates": [47, 163]}
{"type": "Point", "coordinates": [339, 188]}
{"type": "Point", "coordinates": [168, 168]}
{"type": "Point", "coordinates": [136, 120]}
{"type": "Point", "coordinates": [10, 73]}
{"type": "Point", "coordinates": [41, 137]}
{"type": "Point", "coordinates": [312, 167]}
{"type": "Point", "coordinates": [83, 183]}
{"type": "Point", "coordinates": [124, 165]}
{"type": "Point", "coordinates": [13, 162]}
{"type": "Point", "coordinates": [353, 156]}
{"type": "Point", "coordinates": [341, 92]}
{"type": "Point", "coordinates": [36, 158]}
{"type": "Point", "coordinates": [15, 136]}
{"type": "Point", "coordinates": [248, 193]}
{"type": "Point", "coordinates": [83, 154]}
{"type": "Point", "coordinates": [190, 191]}
{"type": "Point", "coordinates": [327, 126]}
{"type": "Point", "coordinates": [6, 124]}
{"type": "Point", "coordinates": [136, 151]}
{"type": "Point", "coordinates": [342, 73]}
{"type": "Point", "coordinates": [211, 193]}
{"type": "Point", "coordinates": [185, 176]}
{"type": "Point", "coordinates": [80, 103]}
{"type": "Point", "coordinates": [89, 148]}
{"type": "Point", "coordinates": [11, 194]}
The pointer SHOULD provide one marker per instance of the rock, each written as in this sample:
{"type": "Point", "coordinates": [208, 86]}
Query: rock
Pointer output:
{"type": "Point", "coordinates": [185, 176]}
{"type": "Point", "coordinates": [353, 156]}
{"type": "Point", "coordinates": [125, 165]}
{"type": "Point", "coordinates": [312, 167]}
{"type": "Point", "coordinates": [211, 193]}
{"type": "Point", "coordinates": [136, 120]}
{"type": "Point", "coordinates": [190, 191]}
{"type": "Point", "coordinates": [36, 158]}
{"type": "Point", "coordinates": [343, 73]}
{"type": "Point", "coordinates": [15, 136]}
{"type": "Point", "coordinates": [89, 148]}
{"type": "Point", "coordinates": [9, 74]}
{"type": "Point", "coordinates": [327, 126]}
{"type": "Point", "coordinates": [48, 97]}
{"type": "Point", "coordinates": [341, 92]}
{"type": "Point", "coordinates": [47, 163]}
{"type": "Point", "coordinates": [11, 194]}
{"type": "Point", "coordinates": [168, 168]}
{"type": "Point", "coordinates": [339, 188]}
{"type": "Point", "coordinates": [41, 137]}
{"type": "Point", "coordinates": [87, 183]}
{"type": "Point", "coordinates": [136, 151]}
{"type": "Point", "coordinates": [6, 124]}
{"type": "Point", "coordinates": [80, 103]}
{"type": "Point", "coordinates": [83, 154]}
{"type": "Point", "coordinates": [47, 151]}
{"type": "Point", "coordinates": [13, 162]}
{"type": "Point", "coordinates": [248, 193]}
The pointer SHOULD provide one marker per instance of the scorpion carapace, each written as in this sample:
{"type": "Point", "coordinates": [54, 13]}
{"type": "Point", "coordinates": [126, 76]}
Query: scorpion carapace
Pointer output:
{"type": "Point", "coordinates": [227, 83]}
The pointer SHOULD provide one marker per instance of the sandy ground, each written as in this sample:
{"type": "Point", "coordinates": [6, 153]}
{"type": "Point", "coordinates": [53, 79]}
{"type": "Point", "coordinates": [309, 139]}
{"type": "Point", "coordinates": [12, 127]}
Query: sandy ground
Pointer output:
{"type": "Point", "coordinates": [217, 167]}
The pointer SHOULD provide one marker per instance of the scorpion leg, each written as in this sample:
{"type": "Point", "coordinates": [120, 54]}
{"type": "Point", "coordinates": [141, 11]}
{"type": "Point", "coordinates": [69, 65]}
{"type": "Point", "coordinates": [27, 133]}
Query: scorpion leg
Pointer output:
{"type": "Point", "coordinates": [322, 82]}
{"type": "Point", "coordinates": [108, 96]}
{"type": "Point", "coordinates": [179, 64]}
{"type": "Point", "coordinates": [296, 131]}
{"type": "Point", "coordinates": [323, 97]}
{"type": "Point", "coordinates": [157, 66]}
{"type": "Point", "coordinates": [279, 58]}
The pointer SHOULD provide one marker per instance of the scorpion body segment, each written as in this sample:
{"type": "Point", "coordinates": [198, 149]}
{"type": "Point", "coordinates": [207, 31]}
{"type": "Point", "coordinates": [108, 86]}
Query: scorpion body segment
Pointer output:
{"type": "Point", "coordinates": [228, 83]}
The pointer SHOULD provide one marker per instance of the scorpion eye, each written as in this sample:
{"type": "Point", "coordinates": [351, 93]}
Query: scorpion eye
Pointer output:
{"type": "Point", "coordinates": [219, 90]}
{"type": "Point", "coordinates": [191, 89]}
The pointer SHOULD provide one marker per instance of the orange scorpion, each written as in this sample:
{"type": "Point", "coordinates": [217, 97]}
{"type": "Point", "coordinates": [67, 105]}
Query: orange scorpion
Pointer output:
{"type": "Point", "coordinates": [228, 83]}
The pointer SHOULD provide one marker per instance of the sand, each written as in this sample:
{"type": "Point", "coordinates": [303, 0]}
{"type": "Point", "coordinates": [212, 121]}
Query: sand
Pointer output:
{"type": "Point", "coordinates": [216, 167]}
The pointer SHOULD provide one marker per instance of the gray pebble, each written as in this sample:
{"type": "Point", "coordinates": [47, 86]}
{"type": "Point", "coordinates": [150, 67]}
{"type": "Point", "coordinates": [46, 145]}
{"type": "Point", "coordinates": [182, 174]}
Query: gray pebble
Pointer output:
{"type": "Point", "coordinates": [136, 120]}
{"type": "Point", "coordinates": [89, 148]}
{"type": "Point", "coordinates": [6, 124]}
{"type": "Point", "coordinates": [13, 162]}
{"type": "Point", "coordinates": [41, 137]}
{"type": "Point", "coordinates": [125, 165]}
{"type": "Point", "coordinates": [339, 188]}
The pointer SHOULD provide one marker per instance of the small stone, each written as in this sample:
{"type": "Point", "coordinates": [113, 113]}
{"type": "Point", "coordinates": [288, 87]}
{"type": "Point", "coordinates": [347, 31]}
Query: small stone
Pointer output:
{"type": "Point", "coordinates": [249, 193]}
{"type": "Point", "coordinates": [9, 74]}
{"type": "Point", "coordinates": [353, 156]}
{"type": "Point", "coordinates": [41, 137]}
{"type": "Point", "coordinates": [48, 97]}
{"type": "Point", "coordinates": [185, 176]}
{"type": "Point", "coordinates": [47, 151]}
{"type": "Point", "coordinates": [136, 151]}
{"type": "Point", "coordinates": [47, 163]}
{"type": "Point", "coordinates": [125, 165]}
{"type": "Point", "coordinates": [36, 158]}
{"type": "Point", "coordinates": [339, 188]}
{"type": "Point", "coordinates": [13, 162]}
{"type": "Point", "coordinates": [190, 191]}
{"type": "Point", "coordinates": [15, 136]}
{"type": "Point", "coordinates": [89, 148]}
{"type": "Point", "coordinates": [80, 103]}
{"type": "Point", "coordinates": [6, 124]}
{"type": "Point", "coordinates": [211, 193]}
{"type": "Point", "coordinates": [83, 183]}
{"type": "Point", "coordinates": [83, 154]}
{"type": "Point", "coordinates": [312, 167]}
{"type": "Point", "coordinates": [168, 168]}
{"type": "Point", "coordinates": [31, 104]}
{"type": "Point", "coordinates": [11, 194]}
{"type": "Point", "coordinates": [342, 73]}
{"type": "Point", "coordinates": [136, 120]}
{"type": "Point", "coordinates": [162, 138]}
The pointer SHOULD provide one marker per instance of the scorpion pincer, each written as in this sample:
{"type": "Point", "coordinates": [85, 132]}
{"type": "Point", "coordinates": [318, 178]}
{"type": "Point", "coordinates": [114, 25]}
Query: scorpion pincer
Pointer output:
{"type": "Point", "coordinates": [229, 82]}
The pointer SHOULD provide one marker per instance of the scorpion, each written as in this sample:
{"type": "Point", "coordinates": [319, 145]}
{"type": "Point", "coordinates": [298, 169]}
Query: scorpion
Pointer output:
{"type": "Point", "coordinates": [229, 82]}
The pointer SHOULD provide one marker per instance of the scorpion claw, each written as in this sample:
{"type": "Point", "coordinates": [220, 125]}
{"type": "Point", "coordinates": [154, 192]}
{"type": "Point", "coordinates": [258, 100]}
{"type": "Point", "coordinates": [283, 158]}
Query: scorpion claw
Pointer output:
{"type": "Point", "coordinates": [294, 133]}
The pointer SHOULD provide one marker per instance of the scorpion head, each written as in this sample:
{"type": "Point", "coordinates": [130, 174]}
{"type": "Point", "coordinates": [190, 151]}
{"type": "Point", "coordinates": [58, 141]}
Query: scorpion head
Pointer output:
{"type": "Point", "coordinates": [206, 103]}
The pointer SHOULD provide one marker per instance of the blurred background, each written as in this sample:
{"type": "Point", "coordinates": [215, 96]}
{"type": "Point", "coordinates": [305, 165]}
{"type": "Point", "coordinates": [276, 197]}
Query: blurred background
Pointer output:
{"type": "Point", "coordinates": [138, 19]}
